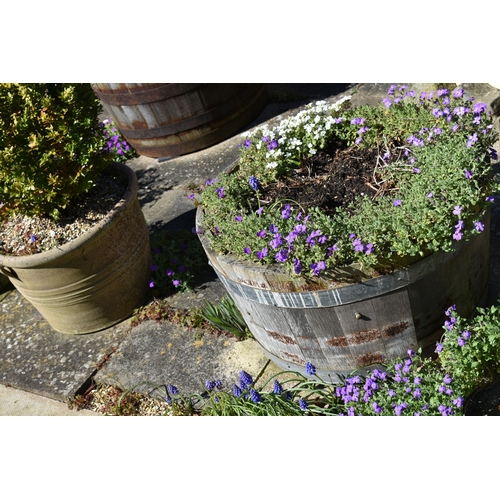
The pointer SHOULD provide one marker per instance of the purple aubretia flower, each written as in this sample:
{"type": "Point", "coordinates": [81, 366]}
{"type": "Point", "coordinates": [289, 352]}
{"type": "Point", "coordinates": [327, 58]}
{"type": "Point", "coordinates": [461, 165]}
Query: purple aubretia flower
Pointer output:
{"type": "Point", "coordinates": [272, 145]}
{"type": "Point", "coordinates": [472, 139]}
{"type": "Point", "coordinates": [439, 348]}
{"type": "Point", "coordinates": [358, 246]}
{"type": "Point", "coordinates": [297, 267]}
{"type": "Point", "coordinates": [479, 226]}
{"type": "Point", "coordinates": [282, 255]}
{"type": "Point", "coordinates": [317, 268]}
{"type": "Point", "coordinates": [285, 213]}
{"type": "Point", "coordinates": [172, 389]}
{"type": "Point", "coordinates": [220, 192]}
{"type": "Point", "coordinates": [247, 143]}
{"type": "Point", "coordinates": [397, 203]}
{"type": "Point", "coordinates": [262, 253]}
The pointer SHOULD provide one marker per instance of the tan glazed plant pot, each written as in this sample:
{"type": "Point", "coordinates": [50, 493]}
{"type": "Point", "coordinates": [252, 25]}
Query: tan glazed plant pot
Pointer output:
{"type": "Point", "coordinates": [342, 327]}
{"type": "Point", "coordinates": [96, 280]}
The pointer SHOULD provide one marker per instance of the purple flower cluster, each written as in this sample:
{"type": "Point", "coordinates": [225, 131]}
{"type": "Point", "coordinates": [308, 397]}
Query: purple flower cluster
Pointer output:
{"type": "Point", "coordinates": [281, 246]}
{"type": "Point", "coordinates": [359, 246]}
{"type": "Point", "coordinates": [399, 394]}
{"type": "Point", "coordinates": [362, 130]}
{"type": "Point", "coordinates": [114, 143]}
{"type": "Point", "coordinates": [444, 110]}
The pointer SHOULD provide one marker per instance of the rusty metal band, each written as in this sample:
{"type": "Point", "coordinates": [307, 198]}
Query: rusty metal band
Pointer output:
{"type": "Point", "coordinates": [238, 103]}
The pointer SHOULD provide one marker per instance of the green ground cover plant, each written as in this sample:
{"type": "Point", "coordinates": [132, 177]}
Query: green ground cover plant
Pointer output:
{"type": "Point", "coordinates": [433, 173]}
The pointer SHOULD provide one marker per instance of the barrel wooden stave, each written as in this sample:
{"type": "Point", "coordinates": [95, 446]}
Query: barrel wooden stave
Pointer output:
{"type": "Point", "coordinates": [177, 122]}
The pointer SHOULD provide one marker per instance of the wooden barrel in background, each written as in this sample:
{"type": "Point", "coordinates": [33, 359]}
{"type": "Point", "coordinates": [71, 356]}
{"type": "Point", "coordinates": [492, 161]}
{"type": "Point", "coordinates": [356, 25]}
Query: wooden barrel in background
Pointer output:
{"type": "Point", "coordinates": [172, 119]}
{"type": "Point", "coordinates": [340, 328]}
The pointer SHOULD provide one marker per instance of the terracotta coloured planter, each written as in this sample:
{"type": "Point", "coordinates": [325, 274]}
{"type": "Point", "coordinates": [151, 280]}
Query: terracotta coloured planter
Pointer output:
{"type": "Point", "coordinates": [96, 280]}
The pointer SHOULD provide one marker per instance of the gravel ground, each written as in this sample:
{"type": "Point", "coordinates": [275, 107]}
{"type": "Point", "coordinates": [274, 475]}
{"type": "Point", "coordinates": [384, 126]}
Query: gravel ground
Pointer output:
{"type": "Point", "coordinates": [22, 235]}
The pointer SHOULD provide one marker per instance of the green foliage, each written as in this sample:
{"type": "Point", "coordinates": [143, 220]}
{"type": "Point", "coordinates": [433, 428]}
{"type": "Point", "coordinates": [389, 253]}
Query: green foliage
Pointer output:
{"type": "Point", "coordinates": [51, 146]}
{"type": "Point", "coordinates": [471, 349]}
{"type": "Point", "coordinates": [433, 156]}
{"type": "Point", "coordinates": [177, 259]}
{"type": "Point", "coordinates": [226, 316]}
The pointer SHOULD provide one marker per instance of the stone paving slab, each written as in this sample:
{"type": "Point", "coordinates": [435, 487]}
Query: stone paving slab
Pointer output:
{"type": "Point", "coordinates": [36, 358]}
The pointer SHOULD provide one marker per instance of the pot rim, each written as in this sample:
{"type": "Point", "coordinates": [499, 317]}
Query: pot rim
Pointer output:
{"type": "Point", "coordinates": [27, 261]}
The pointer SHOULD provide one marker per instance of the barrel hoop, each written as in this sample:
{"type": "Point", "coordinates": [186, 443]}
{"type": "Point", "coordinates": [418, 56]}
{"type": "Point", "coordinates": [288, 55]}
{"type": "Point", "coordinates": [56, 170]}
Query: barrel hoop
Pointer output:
{"type": "Point", "coordinates": [196, 121]}
{"type": "Point", "coordinates": [166, 91]}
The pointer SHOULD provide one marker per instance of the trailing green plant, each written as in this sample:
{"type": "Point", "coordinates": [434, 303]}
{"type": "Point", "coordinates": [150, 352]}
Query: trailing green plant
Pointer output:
{"type": "Point", "coordinates": [470, 350]}
{"type": "Point", "coordinates": [226, 316]}
{"type": "Point", "coordinates": [51, 146]}
{"type": "Point", "coordinates": [432, 169]}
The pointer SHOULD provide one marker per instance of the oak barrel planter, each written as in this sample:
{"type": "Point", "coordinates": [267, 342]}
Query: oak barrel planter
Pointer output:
{"type": "Point", "coordinates": [339, 327]}
{"type": "Point", "coordinates": [96, 280]}
{"type": "Point", "coordinates": [172, 119]}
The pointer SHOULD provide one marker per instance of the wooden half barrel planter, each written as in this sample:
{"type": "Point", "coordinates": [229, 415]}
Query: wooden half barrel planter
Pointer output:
{"type": "Point", "coordinates": [96, 280]}
{"type": "Point", "coordinates": [173, 119]}
{"type": "Point", "coordinates": [339, 327]}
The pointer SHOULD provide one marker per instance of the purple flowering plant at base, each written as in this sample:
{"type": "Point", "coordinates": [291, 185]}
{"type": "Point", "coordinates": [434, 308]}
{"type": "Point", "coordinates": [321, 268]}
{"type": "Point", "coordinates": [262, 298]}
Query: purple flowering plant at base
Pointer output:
{"type": "Point", "coordinates": [469, 349]}
{"type": "Point", "coordinates": [408, 386]}
{"type": "Point", "coordinates": [176, 259]}
{"type": "Point", "coordinates": [434, 154]}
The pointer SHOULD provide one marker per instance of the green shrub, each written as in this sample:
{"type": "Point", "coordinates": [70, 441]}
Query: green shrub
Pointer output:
{"type": "Point", "coordinates": [51, 146]}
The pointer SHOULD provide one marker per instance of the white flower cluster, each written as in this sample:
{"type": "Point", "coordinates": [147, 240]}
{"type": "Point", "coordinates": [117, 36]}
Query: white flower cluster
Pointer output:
{"type": "Point", "coordinates": [300, 133]}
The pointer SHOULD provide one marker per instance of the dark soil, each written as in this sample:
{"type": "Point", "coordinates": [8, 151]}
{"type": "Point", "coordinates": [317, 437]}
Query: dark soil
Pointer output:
{"type": "Point", "coordinates": [331, 179]}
